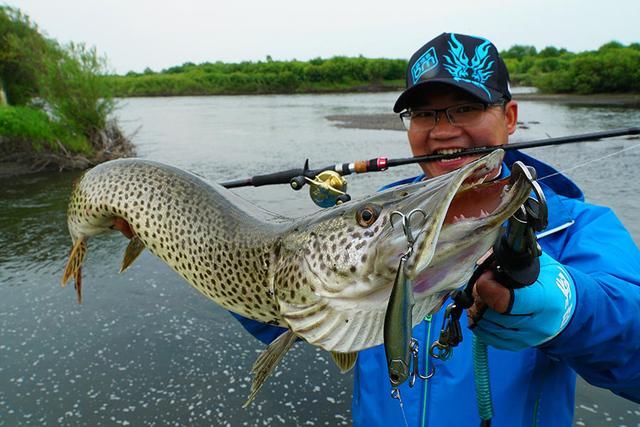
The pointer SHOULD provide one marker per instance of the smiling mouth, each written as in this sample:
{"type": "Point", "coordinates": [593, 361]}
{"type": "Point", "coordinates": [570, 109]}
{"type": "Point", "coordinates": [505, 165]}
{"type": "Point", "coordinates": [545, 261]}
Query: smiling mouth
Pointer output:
{"type": "Point", "coordinates": [450, 152]}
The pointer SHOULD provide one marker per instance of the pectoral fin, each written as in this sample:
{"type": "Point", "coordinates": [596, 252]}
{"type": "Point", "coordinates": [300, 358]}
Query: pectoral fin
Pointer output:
{"type": "Point", "coordinates": [267, 361]}
{"type": "Point", "coordinates": [74, 266]}
{"type": "Point", "coordinates": [134, 249]}
{"type": "Point", "coordinates": [344, 361]}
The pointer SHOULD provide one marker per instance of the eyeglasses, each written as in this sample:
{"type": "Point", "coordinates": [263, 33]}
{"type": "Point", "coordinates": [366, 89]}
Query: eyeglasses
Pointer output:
{"type": "Point", "coordinates": [458, 115]}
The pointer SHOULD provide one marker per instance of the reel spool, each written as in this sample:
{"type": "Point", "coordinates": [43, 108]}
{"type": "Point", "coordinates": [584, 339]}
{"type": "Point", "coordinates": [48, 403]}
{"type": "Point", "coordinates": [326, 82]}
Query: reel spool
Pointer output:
{"type": "Point", "coordinates": [328, 189]}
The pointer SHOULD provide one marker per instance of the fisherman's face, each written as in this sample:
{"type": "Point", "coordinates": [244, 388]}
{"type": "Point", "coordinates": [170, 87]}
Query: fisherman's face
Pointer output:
{"type": "Point", "coordinates": [494, 128]}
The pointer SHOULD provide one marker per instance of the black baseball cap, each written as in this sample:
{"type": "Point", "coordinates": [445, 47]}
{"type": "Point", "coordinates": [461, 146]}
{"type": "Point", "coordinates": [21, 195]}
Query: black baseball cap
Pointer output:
{"type": "Point", "coordinates": [470, 63]}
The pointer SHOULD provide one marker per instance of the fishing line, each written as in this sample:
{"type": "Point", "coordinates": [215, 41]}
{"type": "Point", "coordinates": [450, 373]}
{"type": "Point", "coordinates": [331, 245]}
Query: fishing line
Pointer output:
{"type": "Point", "coordinates": [275, 215]}
{"type": "Point", "coordinates": [588, 162]}
{"type": "Point", "coordinates": [404, 416]}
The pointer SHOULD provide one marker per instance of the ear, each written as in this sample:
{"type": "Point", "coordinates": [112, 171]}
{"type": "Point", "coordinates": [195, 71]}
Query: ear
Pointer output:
{"type": "Point", "coordinates": [511, 116]}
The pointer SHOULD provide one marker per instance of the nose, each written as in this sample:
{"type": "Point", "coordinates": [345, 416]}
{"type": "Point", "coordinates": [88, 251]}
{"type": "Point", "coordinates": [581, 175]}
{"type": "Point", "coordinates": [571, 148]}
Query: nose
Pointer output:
{"type": "Point", "coordinates": [443, 128]}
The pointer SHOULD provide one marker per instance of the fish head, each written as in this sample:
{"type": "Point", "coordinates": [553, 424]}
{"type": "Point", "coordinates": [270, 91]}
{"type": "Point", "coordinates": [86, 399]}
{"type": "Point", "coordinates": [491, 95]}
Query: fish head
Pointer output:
{"type": "Point", "coordinates": [351, 253]}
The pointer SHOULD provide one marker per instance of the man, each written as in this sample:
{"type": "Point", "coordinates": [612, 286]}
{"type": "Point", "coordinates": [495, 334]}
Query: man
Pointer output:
{"type": "Point", "coordinates": [582, 314]}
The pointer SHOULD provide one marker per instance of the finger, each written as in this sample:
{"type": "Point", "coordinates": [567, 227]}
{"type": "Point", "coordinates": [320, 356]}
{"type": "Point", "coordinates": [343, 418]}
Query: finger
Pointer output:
{"type": "Point", "coordinates": [493, 293]}
{"type": "Point", "coordinates": [475, 313]}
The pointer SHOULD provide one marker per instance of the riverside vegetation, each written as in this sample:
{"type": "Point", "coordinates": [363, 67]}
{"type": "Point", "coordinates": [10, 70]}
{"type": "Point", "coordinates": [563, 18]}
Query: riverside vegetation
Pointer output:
{"type": "Point", "coordinates": [613, 68]}
{"type": "Point", "coordinates": [54, 103]}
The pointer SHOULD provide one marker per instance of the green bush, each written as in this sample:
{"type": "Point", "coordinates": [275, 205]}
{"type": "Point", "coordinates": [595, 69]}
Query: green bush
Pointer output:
{"type": "Point", "coordinates": [73, 87]}
{"type": "Point", "coordinates": [613, 68]}
{"type": "Point", "coordinates": [66, 81]}
{"type": "Point", "coordinates": [21, 50]}
{"type": "Point", "coordinates": [33, 125]}
{"type": "Point", "coordinates": [317, 75]}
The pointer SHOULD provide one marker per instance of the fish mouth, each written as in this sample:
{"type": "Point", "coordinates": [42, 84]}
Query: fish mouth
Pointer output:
{"type": "Point", "coordinates": [467, 213]}
{"type": "Point", "coordinates": [475, 202]}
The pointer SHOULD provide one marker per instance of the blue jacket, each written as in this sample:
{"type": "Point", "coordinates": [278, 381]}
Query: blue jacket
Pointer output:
{"type": "Point", "coordinates": [536, 386]}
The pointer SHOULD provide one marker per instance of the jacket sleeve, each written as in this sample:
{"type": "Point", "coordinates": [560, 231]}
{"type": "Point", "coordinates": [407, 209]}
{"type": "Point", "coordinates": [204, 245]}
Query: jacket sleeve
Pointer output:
{"type": "Point", "coordinates": [263, 331]}
{"type": "Point", "coordinates": [602, 340]}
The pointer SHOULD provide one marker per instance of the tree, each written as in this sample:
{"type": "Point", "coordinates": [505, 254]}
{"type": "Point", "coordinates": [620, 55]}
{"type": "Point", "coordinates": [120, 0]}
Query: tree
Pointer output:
{"type": "Point", "coordinates": [552, 52]}
{"type": "Point", "coordinates": [66, 81]}
{"type": "Point", "coordinates": [3, 95]}
{"type": "Point", "coordinates": [611, 45]}
{"type": "Point", "coordinates": [21, 51]}
{"type": "Point", "coordinates": [74, 87]}
{"type": "Point", "coordinates": [519, 51]}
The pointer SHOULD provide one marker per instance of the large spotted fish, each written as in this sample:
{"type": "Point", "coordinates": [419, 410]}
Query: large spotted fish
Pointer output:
{"type": "Point", "coordinates": [326, 277]}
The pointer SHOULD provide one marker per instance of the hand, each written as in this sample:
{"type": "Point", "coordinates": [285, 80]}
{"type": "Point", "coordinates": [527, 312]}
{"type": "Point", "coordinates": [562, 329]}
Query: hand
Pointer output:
{"type": "Point", "coordinates": [525, 317]}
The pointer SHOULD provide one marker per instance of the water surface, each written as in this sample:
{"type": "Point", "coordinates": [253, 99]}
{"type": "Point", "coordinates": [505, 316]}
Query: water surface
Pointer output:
{"type": "Point", "coordinates": [145, 349]}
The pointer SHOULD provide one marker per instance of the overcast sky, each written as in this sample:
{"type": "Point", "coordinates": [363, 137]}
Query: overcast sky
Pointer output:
{"type": "Point", "coordinates": [135, 34]}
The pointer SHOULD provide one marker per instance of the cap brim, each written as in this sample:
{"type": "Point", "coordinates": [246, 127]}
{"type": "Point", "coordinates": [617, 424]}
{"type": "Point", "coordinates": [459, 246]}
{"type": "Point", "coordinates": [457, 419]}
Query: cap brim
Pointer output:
{"type": "Point", "coordinates": [407, 98]}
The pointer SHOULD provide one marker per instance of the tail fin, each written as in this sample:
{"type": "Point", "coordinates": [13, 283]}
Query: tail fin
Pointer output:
{"type": "Point", "coordinates": [74, 266]}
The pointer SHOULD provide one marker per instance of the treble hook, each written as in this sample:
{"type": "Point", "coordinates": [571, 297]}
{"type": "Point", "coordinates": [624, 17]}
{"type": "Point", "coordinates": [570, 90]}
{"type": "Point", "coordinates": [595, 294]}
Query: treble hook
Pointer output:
{"type": "Point", "coordinates": [414, 349]}
{"type": "Point", "coordinates": [406, 224]}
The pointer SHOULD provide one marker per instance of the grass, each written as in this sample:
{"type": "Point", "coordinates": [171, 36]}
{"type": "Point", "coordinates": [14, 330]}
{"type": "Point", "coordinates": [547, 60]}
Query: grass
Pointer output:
{"type": "Point", "coordinates": [35, 126]}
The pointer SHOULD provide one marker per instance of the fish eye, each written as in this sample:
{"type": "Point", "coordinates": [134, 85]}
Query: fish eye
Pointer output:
{"type": "Point", "coordinates": [367, 215]}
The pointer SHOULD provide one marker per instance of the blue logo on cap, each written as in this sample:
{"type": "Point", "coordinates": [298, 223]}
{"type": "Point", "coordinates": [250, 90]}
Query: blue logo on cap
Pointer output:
{"type": "Point", "coordinates": [476, 72]}
{"type": "Point", "coordinates": [427, 62]}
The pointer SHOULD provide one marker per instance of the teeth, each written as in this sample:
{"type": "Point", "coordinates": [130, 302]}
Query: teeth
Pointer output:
{"type": "Point", "coordinates": [449, 151]}
{"type": "Point", "coordinates": [461, 217]}
{"type": "Point", "coordinates": [458, 218]}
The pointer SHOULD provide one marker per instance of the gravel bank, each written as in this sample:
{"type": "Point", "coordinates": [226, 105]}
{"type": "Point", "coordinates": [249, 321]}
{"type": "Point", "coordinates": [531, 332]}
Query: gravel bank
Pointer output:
{"type": "Point", "coordinates": [390, 121]}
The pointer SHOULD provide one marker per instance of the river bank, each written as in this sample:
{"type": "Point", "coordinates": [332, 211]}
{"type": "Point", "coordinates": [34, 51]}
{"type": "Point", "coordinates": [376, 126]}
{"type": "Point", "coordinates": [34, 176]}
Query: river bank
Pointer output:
{"type": "Point", "coordinates": [19, 157]}
{"type": "Point", "coordinates": [630, 100]}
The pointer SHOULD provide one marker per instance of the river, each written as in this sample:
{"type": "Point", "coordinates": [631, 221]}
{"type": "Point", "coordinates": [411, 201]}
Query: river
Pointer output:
{"type": "Point", "coordinates": [145, 349]}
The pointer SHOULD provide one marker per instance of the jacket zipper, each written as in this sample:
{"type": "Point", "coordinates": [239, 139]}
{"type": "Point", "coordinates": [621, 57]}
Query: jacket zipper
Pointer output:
{"type": "Point", "coordinates": [426, 367]}
{"type": "Point", "coordinates": [535, 412]}
{"type": "Point", "coordinates": [428, 343]}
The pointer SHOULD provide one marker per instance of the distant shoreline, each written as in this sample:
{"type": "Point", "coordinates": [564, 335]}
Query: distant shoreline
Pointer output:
{"type": "Point", "coordinates": [600, 99]}
{"type": "Point", "coordinates": [390, 121]}
{"type": "Point", "coordinates": [631, 100]}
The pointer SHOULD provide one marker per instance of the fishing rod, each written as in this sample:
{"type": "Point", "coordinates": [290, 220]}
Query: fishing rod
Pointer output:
{"type": "Point", "coordinates": [328, 187]}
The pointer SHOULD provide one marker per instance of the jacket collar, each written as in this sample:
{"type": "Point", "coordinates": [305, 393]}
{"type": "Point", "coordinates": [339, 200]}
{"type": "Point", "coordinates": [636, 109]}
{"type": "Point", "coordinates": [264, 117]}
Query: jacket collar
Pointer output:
{"type": "Point", "coordinates": [556, 181]}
